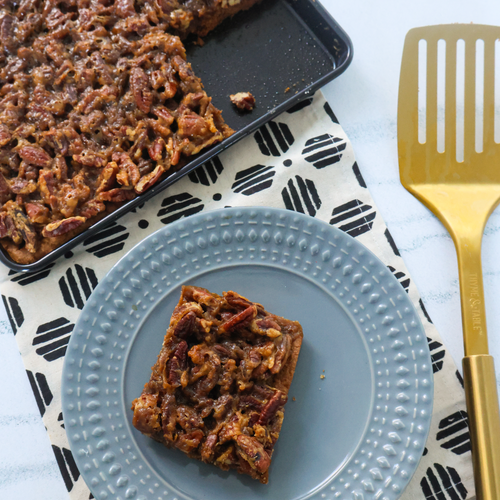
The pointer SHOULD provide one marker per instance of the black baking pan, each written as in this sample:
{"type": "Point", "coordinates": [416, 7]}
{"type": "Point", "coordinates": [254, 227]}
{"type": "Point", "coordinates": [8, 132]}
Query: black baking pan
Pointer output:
{"type": "Point", "coordinates": [280, 50]}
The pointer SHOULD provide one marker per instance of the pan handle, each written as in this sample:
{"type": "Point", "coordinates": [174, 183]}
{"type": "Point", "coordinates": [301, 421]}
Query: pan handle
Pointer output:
{"type": "Point", "coordinates": [484, 422]}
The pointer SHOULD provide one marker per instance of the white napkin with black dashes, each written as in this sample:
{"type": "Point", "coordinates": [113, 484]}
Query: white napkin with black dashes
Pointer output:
{"type": "Point", "coordinates": [301, 161]}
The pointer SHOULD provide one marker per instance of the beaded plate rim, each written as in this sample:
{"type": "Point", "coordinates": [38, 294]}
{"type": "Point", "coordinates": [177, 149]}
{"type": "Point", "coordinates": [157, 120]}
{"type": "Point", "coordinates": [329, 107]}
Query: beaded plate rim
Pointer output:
{"type": "Point", "coordinates": [378, 468]}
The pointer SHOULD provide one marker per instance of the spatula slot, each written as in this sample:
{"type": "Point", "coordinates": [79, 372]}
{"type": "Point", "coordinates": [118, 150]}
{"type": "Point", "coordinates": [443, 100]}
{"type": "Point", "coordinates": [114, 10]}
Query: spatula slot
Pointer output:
{"type": "Point", "coordinates": [497, 92]}
{"type": "Point", "coordinates": [479, 95]}
{"type": "Point", "coordinates": [460, 89]}
{"type": "Point", "coordinates": [422, 89]}
{"type": "Point", "coordinates": [441, 82]}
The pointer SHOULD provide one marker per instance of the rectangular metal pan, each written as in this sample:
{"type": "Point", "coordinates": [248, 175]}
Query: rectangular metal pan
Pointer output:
{"type": "Point", "coordinates": [280, 50]}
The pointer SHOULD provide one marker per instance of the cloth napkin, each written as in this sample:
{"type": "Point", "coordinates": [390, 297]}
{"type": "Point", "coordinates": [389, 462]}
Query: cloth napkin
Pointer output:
{"type": "Point", "coordinates": [301, 161]}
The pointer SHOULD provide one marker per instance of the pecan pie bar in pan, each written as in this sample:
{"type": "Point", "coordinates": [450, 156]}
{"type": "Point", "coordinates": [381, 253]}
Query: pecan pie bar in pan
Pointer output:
{"type": "Point", "coordinates": [92, 126]}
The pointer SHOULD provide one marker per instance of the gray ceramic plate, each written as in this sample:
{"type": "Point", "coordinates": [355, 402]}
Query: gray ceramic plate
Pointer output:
{"type": "Point", "coordinates": [357, 433]}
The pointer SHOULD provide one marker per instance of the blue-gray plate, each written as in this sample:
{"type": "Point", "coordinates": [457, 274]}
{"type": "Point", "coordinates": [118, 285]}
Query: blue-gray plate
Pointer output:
{"type": "Point", "coordinates": [361, 401]}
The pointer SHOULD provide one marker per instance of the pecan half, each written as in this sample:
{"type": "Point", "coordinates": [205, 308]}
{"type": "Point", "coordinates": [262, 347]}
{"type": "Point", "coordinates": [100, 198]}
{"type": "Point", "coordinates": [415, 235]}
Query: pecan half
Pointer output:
{"type": "Point", "coordinates": [177, 364]}
{"type": "Point", "coordinates": [239, 320]}
{"type": "Point", "coordinates": [283, 351]}
{"type": "Point", "coordinates": [35, 155]}
{"type": "Point", "coordinates": [269, 411]}
{"type": "Point", "coordinates": [139, 84]}
{"type": "Point", "coordinates": [62, 226]}
{"type": "Point", "coordinates": [185, 325]}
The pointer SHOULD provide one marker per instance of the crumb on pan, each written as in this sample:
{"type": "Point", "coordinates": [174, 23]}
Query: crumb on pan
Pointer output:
{"type": "Point", "coordinates": [243, 100]}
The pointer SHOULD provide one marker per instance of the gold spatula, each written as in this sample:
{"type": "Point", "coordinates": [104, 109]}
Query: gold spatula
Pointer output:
{"type": "Point", "coordinates": [461, 193]}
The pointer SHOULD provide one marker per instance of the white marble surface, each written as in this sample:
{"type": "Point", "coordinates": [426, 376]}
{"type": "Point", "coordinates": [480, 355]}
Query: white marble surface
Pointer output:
{"type": "Point", "coordinates": [365, 101]}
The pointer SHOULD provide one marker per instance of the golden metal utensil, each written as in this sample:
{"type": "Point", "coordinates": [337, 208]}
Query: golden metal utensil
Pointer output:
{"type": "Point", "coordinates": [462, 194]}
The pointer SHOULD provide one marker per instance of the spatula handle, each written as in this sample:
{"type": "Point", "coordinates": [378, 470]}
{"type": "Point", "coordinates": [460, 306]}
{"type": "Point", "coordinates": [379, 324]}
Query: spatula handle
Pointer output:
{"type": "Point", "coordinates": [484, 423]}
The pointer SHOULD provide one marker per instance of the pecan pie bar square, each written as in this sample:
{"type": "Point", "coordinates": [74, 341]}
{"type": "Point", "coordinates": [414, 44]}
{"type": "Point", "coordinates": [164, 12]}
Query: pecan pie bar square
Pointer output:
{"type": "Point", "coordinates": [218, 389]}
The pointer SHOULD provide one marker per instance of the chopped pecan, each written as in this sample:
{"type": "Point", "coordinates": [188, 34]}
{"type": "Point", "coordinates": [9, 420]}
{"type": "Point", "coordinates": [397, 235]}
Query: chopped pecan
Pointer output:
{"type": "Point", "coordinates": [37, 213]}
{"type": "Point", "coordinates": [58, 140]}
{"type": "Point", "coordinates": [5, 135]}
{"type": "Point", "coordinates": [60, 168]}
{"type": "Point", "coordinates": [201, 296]}
{"type": "Point", "coordinates": [146, 413]}
{"type": "Point", "coordinates": [222, 406]}
{"type": "Point", "coordinates": [206, 374]}
{"type": "Point", "coordinates": [7, 26]}
{"type": "Point", "coordinates": [232, 428]}
{"type": "Point", "coordinates": [22, 186]}
{"type": "Point", "coordinates": [283, 351]}
{"type": "Point", "coordinates": [90, 159]}
{"type": "Point", "coordinates": [250, 402]}
{"type": "Point", "coordinates": [207, 450]}
{"type": "Point", "coordinates": [23, 226]}
{"type": "Point", "coordinates": [9, 158]}
{"type": "Point", "coordinates": [146, 181]}
{"type": "Point", "coordinates": [226, 381]}
{"type": "Point", "coordinates": [89, 123]}
{"type": "Point", "coordinates": [124, 8]}
{"type": "Point", "coordinates": [251, 361]}
{"type": "Point", "coordinates": [102, 69]}
{"type": "Point", "coordinates": [177, 364]}
{"type": "Point", "coordinates": [192, 126]}
{"type": "Point", "coordinates": [237, 301]}
{"type": "Point", "coordinates": [188, 418]}
{"type": "Point", "coordinates": [116, 195]}
{"type": "Point", "coordinates": [266, 323]}
{"type": "Point", "coordinates": [128, 174]}
{"type": "Point", "coordinates": [253, 452]}
{"type": "Point", "coordinates": [8, 229]}
{"type": "Point", "coordinates": [263, 392]}
{"type": "Point", "coordinates": [91, 208]}
{"type": "Point", "coordinates": [107, 177]}
{"type": "Point", "coordinates": [189, 442]}
{"type": "Point", "coordinates": [47, 188]}
{"type": "Point", "coordinates": [164, 115]}
{"type": "Point", "coordinates": [4, 189]}
{"type": "Point", "coordinates": [222, 351]}
{"type": "Point", "coordinates": [168, 416]}
{"type": "Point", "coordinates": [155, 150]}
{"type": "Point", "coordinates": [243, 100]}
